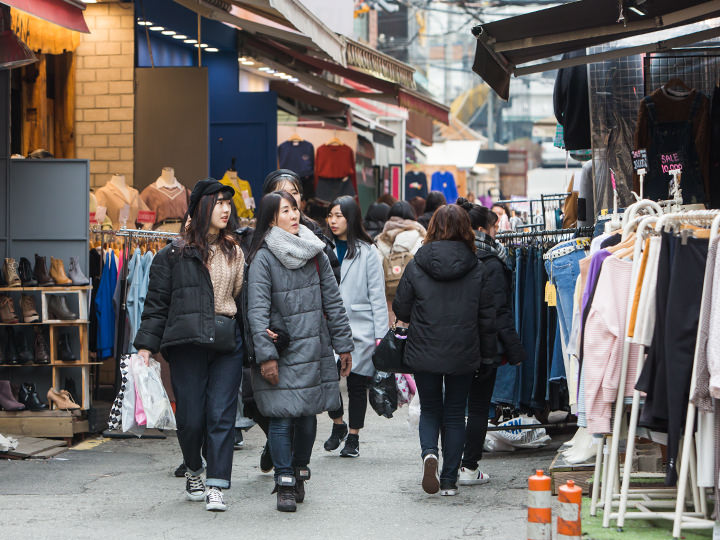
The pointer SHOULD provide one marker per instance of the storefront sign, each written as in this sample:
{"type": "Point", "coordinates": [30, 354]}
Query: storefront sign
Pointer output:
{"type": "Point", "coordinates": [146, 216]}
{"type": "Point", "coordinates": [670, 162]}
{"type": "Point", "coordinates": [93, 218]}
{"type": "Point", "coordinates": [639, 158]}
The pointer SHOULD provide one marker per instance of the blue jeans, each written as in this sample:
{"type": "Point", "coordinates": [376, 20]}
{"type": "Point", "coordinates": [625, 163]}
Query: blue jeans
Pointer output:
{"type": "Point", "coordinates": [529, 333]}
{"type": "Point", "coordinates": [443, 412]}
{"type": "Point", "coordinates": [291, 441]}
{"type": "Point", "coordinates": [206, 393]}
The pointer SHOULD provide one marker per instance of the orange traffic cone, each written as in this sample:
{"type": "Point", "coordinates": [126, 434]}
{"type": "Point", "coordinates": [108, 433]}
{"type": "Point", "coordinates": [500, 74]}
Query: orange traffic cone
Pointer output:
{"type": "Point", "coordinates": [569, 522]}
{"type": "Point", "coordinates": [539, 526]}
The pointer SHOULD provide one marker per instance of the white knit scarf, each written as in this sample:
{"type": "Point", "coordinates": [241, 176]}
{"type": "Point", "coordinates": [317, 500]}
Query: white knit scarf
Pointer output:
{"type": "Point", "coordinates": [293, 251]}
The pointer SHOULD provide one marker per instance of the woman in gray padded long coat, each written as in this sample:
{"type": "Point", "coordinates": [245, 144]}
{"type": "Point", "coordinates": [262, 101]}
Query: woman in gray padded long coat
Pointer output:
{"type": "Point", "coordinates": [290, 283]}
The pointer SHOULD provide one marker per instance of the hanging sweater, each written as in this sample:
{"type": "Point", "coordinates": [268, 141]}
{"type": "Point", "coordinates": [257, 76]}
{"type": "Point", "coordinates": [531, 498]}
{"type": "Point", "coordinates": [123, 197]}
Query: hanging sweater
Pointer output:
{"type": "Point", "coordinates": [335, 161]}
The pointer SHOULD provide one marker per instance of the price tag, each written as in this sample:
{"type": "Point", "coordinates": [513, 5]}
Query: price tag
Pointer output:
{"type": "Point", "coordinates": [124, 215]}
{"type": "Point", "coordinates": [249, 201]}
{"type": "Point", "coordinates": [100, 213]}
{"type": "Point", "coordinates": [146, 216]}
{"type": "Point", "coordinates": [671, 161]}
{"type": "Point", "coordinates": [639, 158]}
{"type": "Point", "coordinates": [93, 219]}
{"type": "Point", "coordinates": [550, 294]}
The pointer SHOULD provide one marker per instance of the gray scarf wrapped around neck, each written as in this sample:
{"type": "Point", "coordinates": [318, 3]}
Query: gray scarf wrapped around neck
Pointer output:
{"type": "Point", "coordinates": [293, 251]}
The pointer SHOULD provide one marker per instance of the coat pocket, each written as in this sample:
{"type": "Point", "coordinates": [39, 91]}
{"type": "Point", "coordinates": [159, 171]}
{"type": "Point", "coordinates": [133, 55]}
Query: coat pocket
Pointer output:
{"type": "Point", "coordinates": [361, 307]}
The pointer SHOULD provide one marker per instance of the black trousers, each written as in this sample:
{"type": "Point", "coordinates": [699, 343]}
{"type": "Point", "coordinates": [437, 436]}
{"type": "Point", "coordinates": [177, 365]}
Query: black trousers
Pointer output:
{"type": "Point", "coordinates": [357, 397]}
{"type": "Point", "coordinates": [477, 421]}
{"type": "Point", "coordinates": [206, 393]}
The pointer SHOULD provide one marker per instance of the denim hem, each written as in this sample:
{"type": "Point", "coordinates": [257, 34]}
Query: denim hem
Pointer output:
{"type": "Point", "coordinates": [217, 482]}
{"type": "Point", "coordinates": [433, 451]}
{"type": "Point", "coordinates": [198, 472]}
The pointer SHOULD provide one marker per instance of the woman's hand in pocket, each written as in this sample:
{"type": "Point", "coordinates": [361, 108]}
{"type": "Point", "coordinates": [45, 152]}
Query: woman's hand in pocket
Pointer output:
{"type": "Point", "coordinates": [269, 372]}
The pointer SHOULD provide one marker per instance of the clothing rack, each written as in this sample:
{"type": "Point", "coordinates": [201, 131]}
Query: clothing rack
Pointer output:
{"type": "Point", "coordinates": [577, 231]}
{"type": "Point", "coordinates": [131, 235]}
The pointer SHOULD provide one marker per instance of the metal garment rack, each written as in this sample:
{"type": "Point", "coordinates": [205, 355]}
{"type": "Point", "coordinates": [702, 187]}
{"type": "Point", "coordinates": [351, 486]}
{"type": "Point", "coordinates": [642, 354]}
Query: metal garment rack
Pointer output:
{"type": "Point", "coordinates": [576, 231]}
{"type": "Point", "coordinates": [129, 237]}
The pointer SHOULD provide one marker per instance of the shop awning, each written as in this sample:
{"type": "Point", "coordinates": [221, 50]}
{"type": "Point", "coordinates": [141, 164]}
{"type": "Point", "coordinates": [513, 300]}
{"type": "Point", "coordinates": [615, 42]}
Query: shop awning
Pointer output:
{"type": "Point", "coordinates": [509, 46]}
{"type": "Point", "coordinates": [372, 130]}
{"type": "Point", "coordinates": [305, 100]}
{"type": "Point", "coordinates": [65, 13]}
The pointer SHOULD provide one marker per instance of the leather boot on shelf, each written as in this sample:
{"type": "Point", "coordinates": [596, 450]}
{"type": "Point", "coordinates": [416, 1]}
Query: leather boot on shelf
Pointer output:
{"type": "Point", "coordinates": [76, 274]}
{"type": "Point", "coordinates": [28, 396]}
{"type": "Point", "coordinates": [29, 312]}
{"type": "Point", "coordinates": [65, 352]}
{"type": "Point", "coordinates": [22, 346]}
{"type": "Point", "coordinates": [26, 273]}
{"type": "Point", "coordinates": [42, 354]}
{"type": "Point", "coordinates": [71, 389]}
{"type": "Point", "coordinates": [7, 401]}
{"type": "Point", "coordinates": [3, 283]}
{"type": "Point", "coordinates": [11, 356]}
{"type": "Point", "coordinates": [60, 401]}
{"type": "Point", "coordinates": [7, 310]}
{"type": "Point", "coordinates": [58, 308]}
{"type": "Point", "coordinates": [10, 273]}
{"type": "Point", "coordinates": [57, 272]}
{"type": "Point", "coordinates": [41, 274]}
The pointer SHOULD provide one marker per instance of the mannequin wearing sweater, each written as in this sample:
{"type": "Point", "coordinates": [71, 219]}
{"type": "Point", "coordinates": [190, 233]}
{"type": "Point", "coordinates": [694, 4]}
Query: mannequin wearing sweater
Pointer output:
{"type": "Point", "coordinates": [168, 198]}
{"type": "Point", "coordinates": [115, 196]}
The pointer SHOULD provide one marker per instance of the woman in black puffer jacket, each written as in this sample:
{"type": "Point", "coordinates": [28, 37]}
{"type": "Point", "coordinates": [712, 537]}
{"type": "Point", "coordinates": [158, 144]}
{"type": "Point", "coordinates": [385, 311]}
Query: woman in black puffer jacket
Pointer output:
{"type": "Point", "coordinates": [493, 257]}
{"type": "Point", "coordinates": [443, 294]}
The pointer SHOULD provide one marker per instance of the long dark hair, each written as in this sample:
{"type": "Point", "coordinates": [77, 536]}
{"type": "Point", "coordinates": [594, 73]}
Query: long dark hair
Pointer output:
{"type": "Point", "coordinates": [435, 200]}
{"type": "Point", "coordinates": [355, 230]}
{"type": "Point", "coordinates": [267, 212]}
{"type": "Point", "coordinates": [479, 215]}
{"type": "Point", "coordinates": [279, 177]}
{"type": "Point", "coordinates": [195, 236]}
{"type": "Point", "coordinates": [402, 209]}
{"type": "Point", "coordinates": [451, 222]}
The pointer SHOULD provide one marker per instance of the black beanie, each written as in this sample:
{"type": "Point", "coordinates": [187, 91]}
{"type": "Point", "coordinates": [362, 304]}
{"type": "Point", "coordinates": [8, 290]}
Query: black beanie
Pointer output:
{"type": "Point", "coordinates": [270, 179]}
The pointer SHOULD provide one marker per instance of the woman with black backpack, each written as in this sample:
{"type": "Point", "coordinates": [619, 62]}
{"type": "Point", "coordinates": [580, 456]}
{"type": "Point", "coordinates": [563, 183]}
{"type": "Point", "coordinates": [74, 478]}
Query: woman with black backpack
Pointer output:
{"type": "Point", "coordinates": [443, 294]}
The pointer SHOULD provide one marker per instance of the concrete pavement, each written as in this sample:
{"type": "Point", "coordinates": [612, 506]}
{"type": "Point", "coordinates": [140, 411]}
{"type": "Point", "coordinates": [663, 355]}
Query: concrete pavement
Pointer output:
{"type": "Point", "coordinates": [124, 489]}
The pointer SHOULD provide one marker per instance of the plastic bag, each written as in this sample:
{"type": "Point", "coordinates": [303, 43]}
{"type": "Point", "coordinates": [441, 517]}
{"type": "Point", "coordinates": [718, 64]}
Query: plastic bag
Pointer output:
{"type": "Point", "coordinates": [405, 394]}
{"type": "Point", "coordinates": [383, 394]}
{"type": "Point", "coordinates": [517, 438]}
{"type": "Point", "coordinates": [155, 401]}
{"type": "Point", "coordinates": [140, 416]}
{"type": "Point", "coordinates": [128, 403]}
{"type": "Point", "coordinates": [414, 412]}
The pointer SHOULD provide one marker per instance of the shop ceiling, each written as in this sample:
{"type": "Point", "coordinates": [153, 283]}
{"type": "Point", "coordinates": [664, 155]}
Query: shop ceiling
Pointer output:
{"type": "Point", "coordinates": [294, 41]}
{"type": "Point", "coordinates": [66, 13]}
{"type": "Point", "coordinates": [514, 46]}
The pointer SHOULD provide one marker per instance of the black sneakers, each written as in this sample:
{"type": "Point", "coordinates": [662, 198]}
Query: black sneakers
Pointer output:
{"type": "Point", "coordinates": [180, 471]}
{"type": "Point", "coordinates": [352, 446]}
{"type": "Point", "coordinates": [194, 487]}
{"type": "Point", "coordinates": [302, 475]}
{"type": "Point", "coordinates": [239, 443]}
{"type": "Point", "coordinates": [338, 435]}
{"type": "Point", "coordinates": [285, 489]}
{"type": "Point", "coordinates": [266, 462]}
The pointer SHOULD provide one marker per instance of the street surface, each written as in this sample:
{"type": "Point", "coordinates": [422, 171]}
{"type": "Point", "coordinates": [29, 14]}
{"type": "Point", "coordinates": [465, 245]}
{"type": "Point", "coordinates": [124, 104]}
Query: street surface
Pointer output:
{"type": "Point", "coordinates": [124, 489]}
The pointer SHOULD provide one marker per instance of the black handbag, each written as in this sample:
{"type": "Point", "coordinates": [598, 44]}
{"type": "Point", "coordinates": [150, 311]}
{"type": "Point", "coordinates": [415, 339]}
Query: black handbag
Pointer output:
{"type": "Point", "coordinates": [389, 356]}
{"type": "Point", "coordinates": [225, 341]}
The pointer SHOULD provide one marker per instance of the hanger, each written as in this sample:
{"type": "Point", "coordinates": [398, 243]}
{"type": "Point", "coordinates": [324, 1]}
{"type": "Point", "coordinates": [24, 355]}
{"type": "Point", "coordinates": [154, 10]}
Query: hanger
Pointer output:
{"type": "Point", "coordinates": [295, 138]}
{"type": "Point", "coordinates": [674, 83]}
{"type": "Point", "coordinates": [334, 141]}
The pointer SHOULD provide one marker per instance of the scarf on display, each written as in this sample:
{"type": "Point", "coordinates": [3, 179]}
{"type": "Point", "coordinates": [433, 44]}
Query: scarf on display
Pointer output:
{"type": "Point", "coordinates": [485, 242]}
{"type": "Point", "coordinates": [293, 251]}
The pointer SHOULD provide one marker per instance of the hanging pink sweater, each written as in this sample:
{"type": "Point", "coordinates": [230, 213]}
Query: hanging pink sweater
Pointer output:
{"type": "Point", "coordinates": [604, 336]}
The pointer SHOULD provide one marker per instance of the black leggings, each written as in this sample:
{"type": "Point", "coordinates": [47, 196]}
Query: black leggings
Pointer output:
{"type": "Point", "coordinates": [357, 396]}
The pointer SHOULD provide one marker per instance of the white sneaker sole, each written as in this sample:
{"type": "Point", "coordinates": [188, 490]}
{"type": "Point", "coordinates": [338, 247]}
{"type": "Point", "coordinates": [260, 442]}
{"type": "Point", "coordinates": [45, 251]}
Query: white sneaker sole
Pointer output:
{"type": "Point", "coordinates": [215, 507]}
{"type": "Point", "coordinates": [448, 492]}
{"type": "Point", "coordinates": [195, 497]}
{"type": "Point", "coordinates": [473, 482]}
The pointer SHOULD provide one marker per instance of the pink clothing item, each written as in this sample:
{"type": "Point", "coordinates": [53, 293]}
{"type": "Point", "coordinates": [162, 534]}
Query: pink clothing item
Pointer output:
{"type": "Point", "coordinates": [604, 337]}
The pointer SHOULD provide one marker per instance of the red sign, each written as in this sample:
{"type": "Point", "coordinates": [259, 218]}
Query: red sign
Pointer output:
{"type": "Point", "coordinates": [146, 216]}
{"type": "Point", "coordinates": [93, 218]}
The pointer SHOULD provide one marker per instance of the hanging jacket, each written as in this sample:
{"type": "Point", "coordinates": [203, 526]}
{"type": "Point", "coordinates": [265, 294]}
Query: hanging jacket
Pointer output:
{"type": "Point", "coordinates": [499, 283]}
{"type": "Point", "coordinates": [104, 307]}
{"type": "Point", "coordinates": [444, 296]}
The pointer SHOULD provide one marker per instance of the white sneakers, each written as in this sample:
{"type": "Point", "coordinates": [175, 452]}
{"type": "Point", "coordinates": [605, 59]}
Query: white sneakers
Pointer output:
{"type": "Point", "coordinates": [195, 490]}
{"type": "Point", "coordinates": [468, 477]}
{"type": "Point", "coordinates": [214, 500]}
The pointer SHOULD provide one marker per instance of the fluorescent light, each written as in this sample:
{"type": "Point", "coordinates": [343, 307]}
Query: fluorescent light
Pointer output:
{"type": "Point", "coordinates": [179, 36]}
{"type": "Point", "coordinates": [211, 49]}
{"type": "Point", "coordinates": [280, 74]}
{"type": "Point", "coordinates": [242, 59]}
{"type": "Point", "coordinates": [144, 23]}
{"type": "Point", "coordinates": [247, 63]}
{"type": "Point", "coordinates": [637, 11]}
{"type": "Point", "coordinates": [190, 41]}
{"type": "Point", "coordinates": [168, 32]}
{"type": "Point", "coordinates": [157, 28]}
{"type": "Point", "coordinates": [293, 79]}
{"type": "Point", "coordinates": [267, 70]}
{"type": "Point", "coordinates": [202, 45]}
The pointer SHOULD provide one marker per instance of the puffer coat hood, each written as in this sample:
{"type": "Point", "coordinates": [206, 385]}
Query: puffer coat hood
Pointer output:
{"type": "Point", "coordinates": [445, 260]}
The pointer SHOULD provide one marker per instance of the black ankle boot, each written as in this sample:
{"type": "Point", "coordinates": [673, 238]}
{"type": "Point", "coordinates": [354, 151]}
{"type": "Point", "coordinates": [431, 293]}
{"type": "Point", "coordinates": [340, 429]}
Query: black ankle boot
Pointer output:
{"type": "Point", "coordinates": [338, 435]}
{"type": "Point", "coordinates": [285, 489]}
{"type": "Point", "coordinates": [22, 346]}
{"type": "Point", "coordinates": [65, 352]}
{"type": "Point", "coordinates": [70, 387]}
{"type": "Point", "coordinates": [28, 396]}
{"type": "Point", "coordinates": [302, 475]}
{"type": "Point", "coordinates": [11, 356]}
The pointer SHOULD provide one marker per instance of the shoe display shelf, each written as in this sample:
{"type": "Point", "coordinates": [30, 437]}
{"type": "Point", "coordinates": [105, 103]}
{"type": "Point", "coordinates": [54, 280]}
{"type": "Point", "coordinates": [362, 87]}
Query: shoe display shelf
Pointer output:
{"type": "Point", "coordinates": [82, 324]}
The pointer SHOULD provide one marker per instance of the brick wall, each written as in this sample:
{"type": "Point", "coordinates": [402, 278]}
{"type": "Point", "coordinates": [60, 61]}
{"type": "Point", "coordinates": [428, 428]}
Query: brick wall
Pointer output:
{"type": "Point", "coordinates": [104, 99]}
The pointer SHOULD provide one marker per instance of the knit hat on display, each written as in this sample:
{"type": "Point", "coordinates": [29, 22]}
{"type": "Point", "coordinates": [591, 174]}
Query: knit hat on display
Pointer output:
{"type": "Point", "coordinates": [209, 186]}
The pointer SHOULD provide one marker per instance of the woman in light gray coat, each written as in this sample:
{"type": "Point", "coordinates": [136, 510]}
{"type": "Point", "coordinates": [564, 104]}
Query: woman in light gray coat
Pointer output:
{"type": "Point", "coordinates": [362, 286]}
{"type": "Point", "coordinates": [290, 283]}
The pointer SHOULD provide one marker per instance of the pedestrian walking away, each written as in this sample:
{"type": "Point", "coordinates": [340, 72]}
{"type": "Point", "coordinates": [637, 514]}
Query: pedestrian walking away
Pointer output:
{"type": "Point", "coordinates": [190, 316]}
{"type": "Point", "coordinates": [444, 297]}
{"type": "Point", "coordinates": [292, 287]}
{"type": "Point", "coordinates": [362, 287]}
{"type": "Point", "coordinates": [493, 256]}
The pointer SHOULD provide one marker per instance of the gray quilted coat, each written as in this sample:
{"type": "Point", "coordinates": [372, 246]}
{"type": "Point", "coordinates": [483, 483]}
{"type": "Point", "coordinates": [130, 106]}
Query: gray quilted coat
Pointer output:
{"type": "Point", "coordinates": [313, 315]}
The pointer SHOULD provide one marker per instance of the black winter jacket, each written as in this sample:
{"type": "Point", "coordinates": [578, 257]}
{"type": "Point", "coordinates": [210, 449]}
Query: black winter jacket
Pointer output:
{"type": "Point", "coordinates": [499, 282]}
{"type": "Point", "coordinates": [444, 295]}
{"type": "Point", "coordinates": [180, 303]}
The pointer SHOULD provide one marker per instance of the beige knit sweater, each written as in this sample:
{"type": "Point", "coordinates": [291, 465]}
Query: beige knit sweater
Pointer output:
{"type": "Point", "coordinates": [227, 279]}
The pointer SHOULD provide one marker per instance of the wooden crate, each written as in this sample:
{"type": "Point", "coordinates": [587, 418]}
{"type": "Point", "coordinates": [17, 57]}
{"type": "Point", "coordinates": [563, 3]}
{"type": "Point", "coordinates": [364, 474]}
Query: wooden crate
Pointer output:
{"type": "Point", "coordinates": [34, 448]}
{"type": "Point", "coordinates": [64, 424]}
{"type": "Point", "coordinates": [561, 472]}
